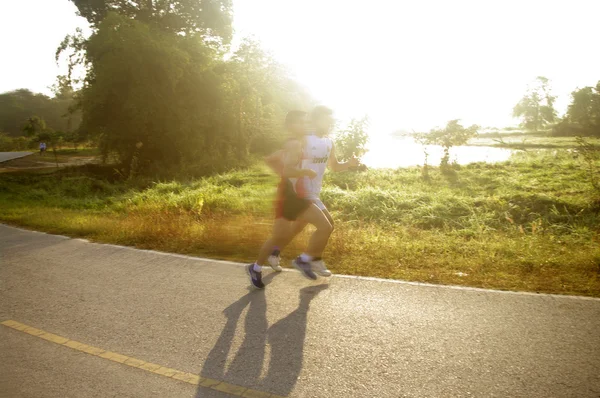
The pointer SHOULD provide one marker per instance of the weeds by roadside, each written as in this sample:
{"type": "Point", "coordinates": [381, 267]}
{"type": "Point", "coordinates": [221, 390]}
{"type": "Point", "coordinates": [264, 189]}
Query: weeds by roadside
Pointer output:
{"type": "Point", "coordinates": [527, 224]}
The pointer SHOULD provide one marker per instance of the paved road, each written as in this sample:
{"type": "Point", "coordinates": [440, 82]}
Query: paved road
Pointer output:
{"type": "Point", "coordinates": [6, 156]}
{"type": "Point", "coordinates": [346, 337]}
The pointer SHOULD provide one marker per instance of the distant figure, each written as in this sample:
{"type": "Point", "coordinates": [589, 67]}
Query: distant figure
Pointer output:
{"type": "Point", "coordinates": [42, 148]}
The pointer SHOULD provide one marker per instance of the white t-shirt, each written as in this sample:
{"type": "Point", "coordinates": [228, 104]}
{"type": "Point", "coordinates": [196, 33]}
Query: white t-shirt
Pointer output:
{"type": "Point", "coordinates": [315, 156]}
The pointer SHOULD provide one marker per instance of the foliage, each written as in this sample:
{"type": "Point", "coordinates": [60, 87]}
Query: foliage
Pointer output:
{"type": "Point", "coordinates": [16, 107]}
{"type": "Point", "coordinates": [8, 143]}
{"type": "Point", "coordinates": [536, 108]}
{"type": "Point", "coordinates": [583, 114]}
{"type": "Point", "coordinates": [199, 110]}
{"type": "Point", "coordinates": [591, 156]}
{"type": "Point", "coordinates": [210, 18]}
{"type": "Point", "coordinates": [454, 134]}
{"type": "Point", "coordinates": [352, 140]}
{"type": "Point", "coordinates": [35, 127]}
{"type": "Point", "coordinates": [527, 224]}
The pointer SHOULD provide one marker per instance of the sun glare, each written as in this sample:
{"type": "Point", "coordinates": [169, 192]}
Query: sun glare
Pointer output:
{"type": "Point", "coordinates": [411, 65]}
{"type": "Point", "coordinates": [417, 65]}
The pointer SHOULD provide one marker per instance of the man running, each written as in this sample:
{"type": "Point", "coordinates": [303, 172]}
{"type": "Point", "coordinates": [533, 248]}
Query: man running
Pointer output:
{"type": "Point", "coordinates": [318, 153]}
{"type": "Point", "coordinates": [291, 203]}
{"type": "Point", "coordinates": [321, 153]}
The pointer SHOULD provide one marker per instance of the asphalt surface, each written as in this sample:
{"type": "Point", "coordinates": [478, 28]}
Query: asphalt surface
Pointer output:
{"type": "Point", "coordinates": [342, 337]}
{"type": "Point", "coordinates": [6, 156]}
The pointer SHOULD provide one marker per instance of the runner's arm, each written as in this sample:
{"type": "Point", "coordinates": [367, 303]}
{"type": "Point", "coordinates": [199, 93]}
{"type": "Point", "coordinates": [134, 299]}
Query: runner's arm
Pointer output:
{"type": "Point", "coordinates": [275, 162]}
{"type": "Point", "coordinates": [335, 165]}
{"type": "Point", "coordinates": [291, 160]}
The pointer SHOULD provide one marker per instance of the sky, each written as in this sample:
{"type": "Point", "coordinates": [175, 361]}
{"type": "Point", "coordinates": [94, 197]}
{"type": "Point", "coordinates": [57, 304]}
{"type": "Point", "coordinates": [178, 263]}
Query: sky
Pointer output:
{"type": "Point", "coordinates": [406, 64]}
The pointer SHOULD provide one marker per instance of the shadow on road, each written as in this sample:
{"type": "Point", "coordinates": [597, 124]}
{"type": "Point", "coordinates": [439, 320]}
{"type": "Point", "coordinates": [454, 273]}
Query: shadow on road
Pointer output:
{"type": "Point", "coordinates": [285, 337]}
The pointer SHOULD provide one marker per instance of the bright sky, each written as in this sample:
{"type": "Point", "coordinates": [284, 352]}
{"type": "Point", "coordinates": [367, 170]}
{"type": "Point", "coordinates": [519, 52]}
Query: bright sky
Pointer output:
{"type": "Point", "coordinates": [407, 64]}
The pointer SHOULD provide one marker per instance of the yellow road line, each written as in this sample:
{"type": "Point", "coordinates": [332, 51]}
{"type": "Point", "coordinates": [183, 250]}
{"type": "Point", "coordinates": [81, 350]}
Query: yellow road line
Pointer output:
{"type": "Point", "coordinates": [190, 378]}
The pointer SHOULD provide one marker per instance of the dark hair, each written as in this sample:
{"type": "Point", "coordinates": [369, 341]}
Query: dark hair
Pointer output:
{"type": "Point", "coordinates": [320, 111]}
{"type": "Point", "coordinates": [294, 116]}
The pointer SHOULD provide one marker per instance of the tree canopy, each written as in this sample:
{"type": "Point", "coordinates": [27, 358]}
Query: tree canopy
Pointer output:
{"type": "Point", "coordinates": [352, 140]}
{"type": "Point", "coordinates": [210, 18]}
{"type": "Point", "coordinates": [584, 109]}
{"type": "Point", "coordinates": [536, 108]}
{"type": "Point", "coordinates": [174, 101]}
{"type": "Point", "coordinates": [16, 107]}
{"type": "Point", "coordinates": [454, 134]}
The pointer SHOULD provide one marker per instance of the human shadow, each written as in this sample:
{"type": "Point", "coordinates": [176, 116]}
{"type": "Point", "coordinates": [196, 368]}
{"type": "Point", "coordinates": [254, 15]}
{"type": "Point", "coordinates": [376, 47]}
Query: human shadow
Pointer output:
{"type": "Point", "coordinates": [285, 337]}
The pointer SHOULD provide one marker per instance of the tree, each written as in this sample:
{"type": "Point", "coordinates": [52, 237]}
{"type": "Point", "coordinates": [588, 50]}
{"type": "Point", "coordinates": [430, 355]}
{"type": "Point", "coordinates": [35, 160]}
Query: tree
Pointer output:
{"type": "Point", "coordinates": [353, 139]}
{"type": "Point", "coordinates": [259, 94]}
{"type": "Point", "coordinates": [536, 108]}
{"type": "Point", "coordinates": [584, 109]}
{"type": "Point", "coordinates": [131, 92]}
{"type": "Point", "coordinates": [17, 106]}
{"type": "Point", "coordinates": [177, 97]}
{"type": "Point", "coordinates": [35, 126]}
{"type": "Point", "coordinates": [209, 18]}
{"type": "Point", "coordinates": [454, 134]}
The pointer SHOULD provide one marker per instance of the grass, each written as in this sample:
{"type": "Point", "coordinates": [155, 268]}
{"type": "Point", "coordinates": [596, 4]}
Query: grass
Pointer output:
{"type": "Point", "coordinates": [529, 141]}
{"type": "Point", "coordinates": [529, 224]}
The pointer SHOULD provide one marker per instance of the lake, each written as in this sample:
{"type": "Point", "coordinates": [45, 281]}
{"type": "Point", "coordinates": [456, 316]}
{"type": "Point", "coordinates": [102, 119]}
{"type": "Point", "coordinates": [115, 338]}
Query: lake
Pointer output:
{"type": "Point", "coordinates": [392, 152]}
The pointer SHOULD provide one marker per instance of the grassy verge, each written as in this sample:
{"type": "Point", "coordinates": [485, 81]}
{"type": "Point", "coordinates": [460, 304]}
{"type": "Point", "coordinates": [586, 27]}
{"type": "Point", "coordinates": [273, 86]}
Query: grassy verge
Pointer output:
{"type": "Point", "coordinates": [529, 141]}
{"type": "Point", "coordinates": [528, 224]}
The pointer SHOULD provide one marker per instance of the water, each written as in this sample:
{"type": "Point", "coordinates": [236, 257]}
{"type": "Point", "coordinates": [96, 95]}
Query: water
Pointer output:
{"type": "Point", "coordinates": [391, 152]}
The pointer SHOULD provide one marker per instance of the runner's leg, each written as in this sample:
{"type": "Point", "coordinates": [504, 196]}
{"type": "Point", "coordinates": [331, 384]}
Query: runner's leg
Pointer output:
{"type": "Point", "coordinates": [297, 227]}
{"type": "Point", "coordinates": [281, 236]}
{"type": "Point", "coordinates": [317, 264]}
{"type": "Point", "coordinates": [318, 240]}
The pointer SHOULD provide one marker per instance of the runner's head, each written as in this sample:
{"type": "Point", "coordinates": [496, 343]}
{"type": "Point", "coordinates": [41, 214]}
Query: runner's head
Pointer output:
{"type": "Point", "coordinates": [322, 119]}
{"type": "Point", "coordinates": [295, 123]}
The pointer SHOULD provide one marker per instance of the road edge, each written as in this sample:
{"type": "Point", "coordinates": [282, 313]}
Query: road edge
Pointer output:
{"type": "Point", "coordinates": [341, 276]}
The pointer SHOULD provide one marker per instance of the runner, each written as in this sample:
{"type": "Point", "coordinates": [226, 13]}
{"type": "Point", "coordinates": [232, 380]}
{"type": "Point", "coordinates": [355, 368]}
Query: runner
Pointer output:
{"type": "Point", "coordinates": [319, 153]}
{"type": "Point", "coordinates": [291, 203]}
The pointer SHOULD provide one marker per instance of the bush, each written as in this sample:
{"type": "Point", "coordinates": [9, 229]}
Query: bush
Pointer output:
{"type": "Point", "coordinates": [8, 144]}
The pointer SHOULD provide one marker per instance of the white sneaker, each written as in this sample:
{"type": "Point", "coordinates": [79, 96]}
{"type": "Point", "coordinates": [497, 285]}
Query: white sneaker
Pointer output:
{"type": "Point", "coordinates": [274, 262]}
{"type": "Point", "coordinates": [319, 268]}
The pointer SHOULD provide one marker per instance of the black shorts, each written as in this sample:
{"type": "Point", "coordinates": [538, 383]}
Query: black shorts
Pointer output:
{"type": "Point", "coordinates": [288, 205]}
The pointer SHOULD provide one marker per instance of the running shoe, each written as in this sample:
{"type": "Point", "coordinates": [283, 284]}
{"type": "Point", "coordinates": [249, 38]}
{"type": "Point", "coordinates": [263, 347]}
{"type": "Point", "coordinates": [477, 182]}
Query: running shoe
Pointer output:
{"type": "Point", "coordinates": [319, 267]}
{"type": "Point", "coordinates": [255, 277]}
{"type": "Point", "coordinates": [275, 261]}
{"type": "Point", "coordinates": [304, 268]}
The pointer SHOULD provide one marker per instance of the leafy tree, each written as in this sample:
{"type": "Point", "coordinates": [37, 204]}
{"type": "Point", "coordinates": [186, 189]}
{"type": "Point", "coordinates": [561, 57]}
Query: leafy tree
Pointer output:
{"type": "Point", "coordinates": [353, 139]}
{"type": "Point", "coordinates": [258, 93]}
{"type": "Point", "coordinates": [130, 94]}
{"type": "Point", "coordinates": [536, 108]}
{"type": "Point", "coordinates": [584, 109]}
{"type": "Point", "coordinates": [73, 138]}
{"type": "Point", "coordinates": [35, 126]}
{"type": "Point", "coordinates": [209, 18]}
{"type": "Point", "coordinates": [16, 107]}
{"type": "Point", "coordinates": [454, 134]}
{"type": "Point", "coordinates": [172, 101]}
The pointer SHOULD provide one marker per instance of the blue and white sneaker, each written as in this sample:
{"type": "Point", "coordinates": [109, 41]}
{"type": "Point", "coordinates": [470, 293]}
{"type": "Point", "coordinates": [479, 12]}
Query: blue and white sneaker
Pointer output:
{"type": "Point", "coordinates": [255, 277]}
{"type": "Point", "coordinates": [275, 261]}
{"type": "Point", "coordinates": [304, 268]}
{"type": "Point", "coordinates": [320, 268]}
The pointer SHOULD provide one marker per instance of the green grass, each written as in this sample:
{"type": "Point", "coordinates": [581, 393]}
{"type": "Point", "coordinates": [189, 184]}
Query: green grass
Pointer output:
{"type": "Point", "coordinates": [529, 141]}
{"type": "Point", "coordinates": [528, 224]}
